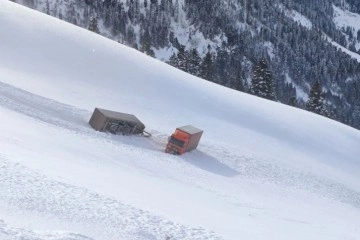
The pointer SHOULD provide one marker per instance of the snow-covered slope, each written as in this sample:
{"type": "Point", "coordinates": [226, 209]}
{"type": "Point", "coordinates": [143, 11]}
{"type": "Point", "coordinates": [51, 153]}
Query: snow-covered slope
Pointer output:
{"type": "Point", "coordinates": [297, 17]}
{"type": "Point", "coordinates": [262, 170]}
{"type": "Point", "coordinates": [344, 19]}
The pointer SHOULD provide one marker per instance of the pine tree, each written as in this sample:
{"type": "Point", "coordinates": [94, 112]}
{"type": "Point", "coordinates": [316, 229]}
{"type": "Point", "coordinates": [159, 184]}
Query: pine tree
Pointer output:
{"type": "Point", "coordinates": [238, 83]}
{"type": "Point", "coordinates": [262, 83]}
{"type": "Point", "coordinates": [182, 59]}
{"type": "Point", "coordinates": [328, 111]}
{"type": "Point", "coordinates": [207, 67]}
{"type": "Point", "coordinates": [146, 43]}
{"type": "Point", "coordinates": [194, 62]}
{"type": "Point", "coordinates": [222, 71]}
{"type": "Point", "coordinates": [173, 61]}
{"type": "Point", "coordinates": [355, 114]}
{"type": "Point", "coordinates": [146, 48]}
{"type": "Point", "coordinates": [47, 7]}
{"type": "Point", "coordinates": [315, 103]}
{"type": "Point", "coordinates": [293, 101]}
{"type": "Point", "coordinates": [93, 26]}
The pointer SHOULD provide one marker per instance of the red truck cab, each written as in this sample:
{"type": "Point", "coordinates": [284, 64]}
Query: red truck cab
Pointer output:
{"type": "Point", "coordinates": [184, 139]}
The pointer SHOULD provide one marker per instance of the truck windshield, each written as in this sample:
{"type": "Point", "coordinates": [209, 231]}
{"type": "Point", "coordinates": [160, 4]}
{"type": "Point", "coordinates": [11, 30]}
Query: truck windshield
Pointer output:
{"type": "Point", "coordinates": [176, 141]}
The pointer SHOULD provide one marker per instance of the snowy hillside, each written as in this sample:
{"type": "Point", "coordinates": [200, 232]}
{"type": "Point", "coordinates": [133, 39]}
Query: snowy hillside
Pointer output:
{"type": "Point", "coordinates": [346, 19]}
{"type": "Point", "coordinates": [223, 41]}
{"type": "Point", "coordinates": [262, 170]}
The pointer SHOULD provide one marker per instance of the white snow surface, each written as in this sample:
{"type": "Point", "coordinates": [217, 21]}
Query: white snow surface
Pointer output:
{"type": "Point", "coordinates": [345, 18]}
{"type": "Point", "coordinates": [300, 93]}
{"type": "Point", "coordinates": [262, 170]}
{"type": "Point", "coordinates": [301, 19]}
{"type": "Point", "coordinates": [297, 17]}
{"type": "Point", "coordinates": [343, 49]}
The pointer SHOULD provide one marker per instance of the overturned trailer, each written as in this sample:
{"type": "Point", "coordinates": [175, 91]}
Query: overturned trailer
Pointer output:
{"type": "Point", "coordinates": [116, 122]}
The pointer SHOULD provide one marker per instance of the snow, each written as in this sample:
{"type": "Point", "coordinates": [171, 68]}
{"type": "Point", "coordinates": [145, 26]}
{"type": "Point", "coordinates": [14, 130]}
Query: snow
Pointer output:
{"type": "Point", "coordinates": [300, 93]}
{"type": "Point", "coordinates": [262, 170]}
{"type": "Point", "coordinates": [183, 31]}
{"type": "Point", "coordinates": [270, 49]}
{"type": "Point", "coordinates": [343, 49]}
{"type": "Point", "coordinates": [297, 17]}
{"type": "Point", "coordinates": [164, 54]}
{"type": "Point", "coordinates": [345, 18]}
{"type": "Point", "coordinates": [189, 36]}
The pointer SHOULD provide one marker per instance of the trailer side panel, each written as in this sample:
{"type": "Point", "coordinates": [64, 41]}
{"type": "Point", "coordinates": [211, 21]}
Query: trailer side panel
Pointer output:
{"type": "Point", "coordinates": [194, 141]}
{"type": "Point", "coordinates": [97, 120]}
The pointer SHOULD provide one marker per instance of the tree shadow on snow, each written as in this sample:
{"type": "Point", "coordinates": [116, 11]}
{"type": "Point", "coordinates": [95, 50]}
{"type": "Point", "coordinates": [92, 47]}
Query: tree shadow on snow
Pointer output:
{"type": "Point", "coordinates": [209, 164]}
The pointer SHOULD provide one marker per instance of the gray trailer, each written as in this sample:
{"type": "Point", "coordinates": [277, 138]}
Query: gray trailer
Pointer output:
{"type": "Point", "coordinates": [115, 122]}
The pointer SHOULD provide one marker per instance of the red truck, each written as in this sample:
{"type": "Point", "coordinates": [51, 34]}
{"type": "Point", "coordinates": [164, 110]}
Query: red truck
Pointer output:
{"type": "Point", "coordinates": [184, 139]}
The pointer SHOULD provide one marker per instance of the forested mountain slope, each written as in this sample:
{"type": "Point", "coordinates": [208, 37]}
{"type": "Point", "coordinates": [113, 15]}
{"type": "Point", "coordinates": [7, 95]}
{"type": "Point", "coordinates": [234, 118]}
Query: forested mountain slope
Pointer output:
{"type": "Point", "coordinates": [222, 41]}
